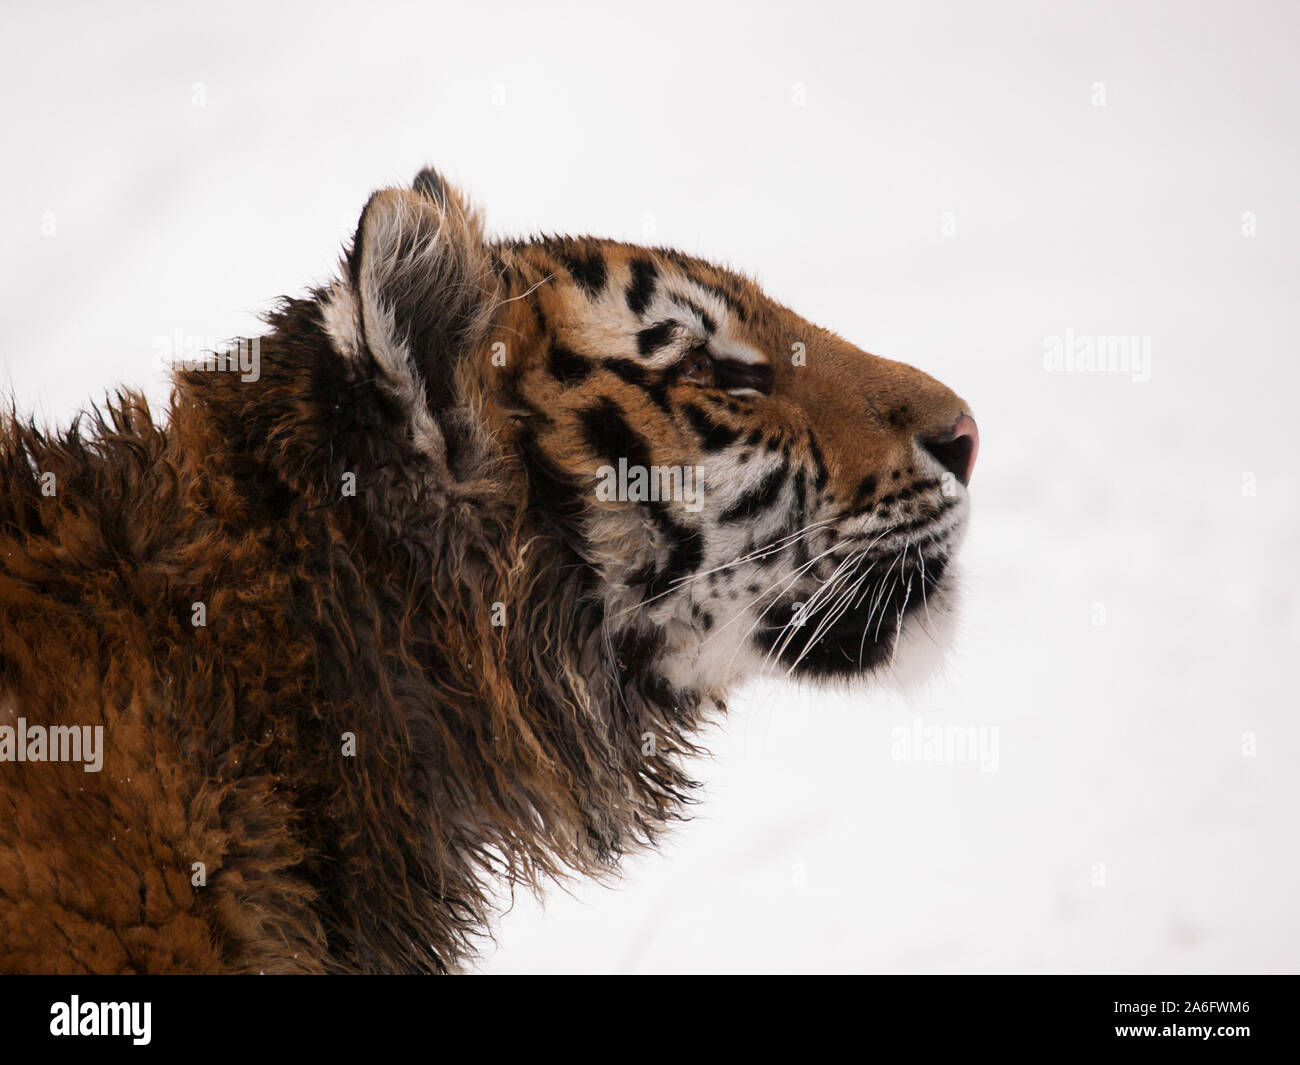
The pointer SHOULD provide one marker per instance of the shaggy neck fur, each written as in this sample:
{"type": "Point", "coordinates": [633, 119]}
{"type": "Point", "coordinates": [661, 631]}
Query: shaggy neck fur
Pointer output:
{"type": "Point", "coordinates": [449, 625]}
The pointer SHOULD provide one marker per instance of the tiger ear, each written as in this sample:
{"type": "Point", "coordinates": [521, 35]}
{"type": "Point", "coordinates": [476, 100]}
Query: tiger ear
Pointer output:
{"type": "Point", "coordinates": [423, 281]}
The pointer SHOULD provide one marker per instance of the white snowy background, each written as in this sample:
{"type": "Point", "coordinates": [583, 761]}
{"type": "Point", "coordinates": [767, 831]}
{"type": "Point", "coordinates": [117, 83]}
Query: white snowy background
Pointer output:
{"type": "Point", "coordinates": [951, 185]}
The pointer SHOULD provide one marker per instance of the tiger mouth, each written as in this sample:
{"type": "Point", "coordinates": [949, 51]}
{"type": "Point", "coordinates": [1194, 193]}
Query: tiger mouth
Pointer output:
{"type": "Point", "coordinates": [849, 623]}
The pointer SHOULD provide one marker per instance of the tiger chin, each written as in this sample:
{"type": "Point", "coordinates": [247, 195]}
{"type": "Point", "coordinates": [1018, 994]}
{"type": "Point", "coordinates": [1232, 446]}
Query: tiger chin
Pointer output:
{"type": "Point", "coordinates": [435, 601]}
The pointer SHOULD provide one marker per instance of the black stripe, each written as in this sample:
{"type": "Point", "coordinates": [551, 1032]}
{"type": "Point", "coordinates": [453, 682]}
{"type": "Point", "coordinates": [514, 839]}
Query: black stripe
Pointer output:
{"type": "Point", "coordinates": [654, 336]}
{"type": "Point", "coordinates": [757, 499]}
{"type": "Point", "coordinates": [587, 270]}
{"type": "Point", "coordinates": [800, 516]}
{"type": "Point", "coordinates": [714, 436]}
{"type": "Point", "coordinates": [757, 376]}
{"type": "Point", "coordinates": [654, 385]}
{"type": "Point", "coordinates": [558, 500]}
{"type": "Point", "coordinates": [567, 366]}
{"type": "Point", "coordinates": [610, 437]}
{"type": "Point", "coordinates": [642, 289]}
{"type": "Point", "coordinates": [706, 319]}
{"type": "Point", "coordinates": [684, 559]}
{"type": "Point", "coordinates": [734, 305]}
{"type": "Point", "coordinates": [687, 267]}
{"type": "Point", "coordinates": [822, 474]}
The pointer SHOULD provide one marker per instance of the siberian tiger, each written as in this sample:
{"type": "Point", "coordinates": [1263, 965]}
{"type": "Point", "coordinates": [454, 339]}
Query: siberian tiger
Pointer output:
{"type": "Point", "coordinates": [432, 594]}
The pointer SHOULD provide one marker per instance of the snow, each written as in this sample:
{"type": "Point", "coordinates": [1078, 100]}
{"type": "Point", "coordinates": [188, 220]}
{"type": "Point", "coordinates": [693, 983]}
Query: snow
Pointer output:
{"type": "Point", "coordinates": [937, 184]}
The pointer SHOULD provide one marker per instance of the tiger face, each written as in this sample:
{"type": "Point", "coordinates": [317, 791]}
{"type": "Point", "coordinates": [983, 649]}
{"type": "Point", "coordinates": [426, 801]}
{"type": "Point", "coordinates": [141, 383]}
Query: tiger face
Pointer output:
{"type": "Point", "coordinates": [743, 489]}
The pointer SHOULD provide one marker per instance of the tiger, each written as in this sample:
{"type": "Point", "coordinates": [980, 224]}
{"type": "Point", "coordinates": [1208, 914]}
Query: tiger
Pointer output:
{"type": "Point", "coordinates": [434, 602]}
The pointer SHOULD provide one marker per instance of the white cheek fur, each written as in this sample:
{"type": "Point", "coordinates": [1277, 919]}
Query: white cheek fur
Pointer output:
{"type": "Point", "coordinates": [921, 649]}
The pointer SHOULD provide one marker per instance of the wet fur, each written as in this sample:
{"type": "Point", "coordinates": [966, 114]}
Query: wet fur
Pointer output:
{"type": "Point", "coordinates": [486, 754]}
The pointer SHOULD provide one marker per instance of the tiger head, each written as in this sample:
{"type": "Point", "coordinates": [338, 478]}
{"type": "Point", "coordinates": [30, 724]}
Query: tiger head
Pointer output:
{"type": "Point", "coordinates": [727, 487]}
{"type": "Point", "coordinates": [531, 509]}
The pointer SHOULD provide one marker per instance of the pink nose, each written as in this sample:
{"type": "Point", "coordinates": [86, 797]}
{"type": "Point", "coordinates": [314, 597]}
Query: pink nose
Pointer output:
{"type": "Point", "coordinates": [956, 449]}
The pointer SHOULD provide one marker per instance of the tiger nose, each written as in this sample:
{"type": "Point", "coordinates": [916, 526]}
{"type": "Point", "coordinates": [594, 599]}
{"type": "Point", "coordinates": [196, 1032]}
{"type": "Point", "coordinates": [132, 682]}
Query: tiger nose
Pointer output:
{"type": "Point", "coordinates": [955, 449]}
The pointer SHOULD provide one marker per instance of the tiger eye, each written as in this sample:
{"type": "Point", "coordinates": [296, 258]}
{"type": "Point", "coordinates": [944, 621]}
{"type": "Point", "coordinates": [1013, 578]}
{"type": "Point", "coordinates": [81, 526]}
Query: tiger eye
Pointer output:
{"type": "Point", "coordinates": [698, 368]}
